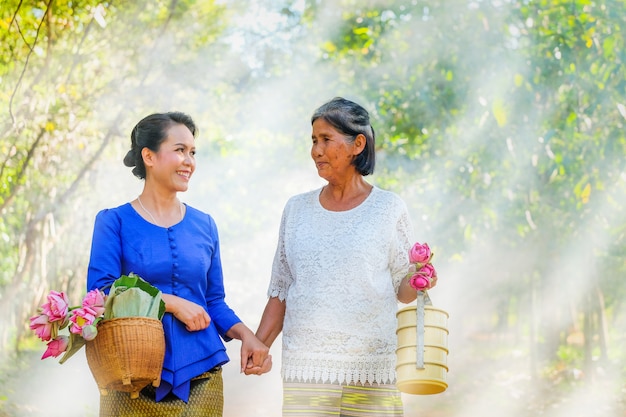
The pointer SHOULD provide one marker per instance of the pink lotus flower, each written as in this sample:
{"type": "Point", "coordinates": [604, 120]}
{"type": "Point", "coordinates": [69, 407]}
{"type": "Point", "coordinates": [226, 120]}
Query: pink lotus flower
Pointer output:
{"type": "Point", "coordinates": [94, 300]}
{"type": "Point", "coordinates": [57, 306]}
{"type": "Point", "coordinates": [56, 314]}
{"type": "Point", "coordinates": [56, 347]}
{"type": "Point", "coordinates": [419, 282]}
{"type": "Point", "coordinates": [42, 326]}
{"type": "Point", "coordinates": [421, 272]}
{"type": "Point", "coordinates": [428, 271]}
{"type": "Point", "coordinates": [419, 253]}
{"type": "Point", "coordinates": [80, 318]}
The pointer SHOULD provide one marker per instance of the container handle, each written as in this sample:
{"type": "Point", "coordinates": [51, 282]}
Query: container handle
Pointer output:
{"type": "Point", "coordinates": [422, 300]}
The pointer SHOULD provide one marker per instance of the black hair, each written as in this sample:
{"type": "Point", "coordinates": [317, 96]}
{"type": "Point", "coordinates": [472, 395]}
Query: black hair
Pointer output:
{"type": "Point", "coordinates": [149, 133]}
{"type": "Point", "coordinates": [351, 119]}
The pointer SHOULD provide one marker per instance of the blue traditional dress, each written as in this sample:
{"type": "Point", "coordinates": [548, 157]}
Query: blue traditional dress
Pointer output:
{"type": "Point", "coordinates": [182, 260]}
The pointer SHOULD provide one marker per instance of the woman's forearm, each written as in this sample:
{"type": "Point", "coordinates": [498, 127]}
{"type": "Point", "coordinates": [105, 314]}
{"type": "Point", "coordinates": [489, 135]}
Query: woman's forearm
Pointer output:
{"type": "Point", "coordinates": [272, 321]}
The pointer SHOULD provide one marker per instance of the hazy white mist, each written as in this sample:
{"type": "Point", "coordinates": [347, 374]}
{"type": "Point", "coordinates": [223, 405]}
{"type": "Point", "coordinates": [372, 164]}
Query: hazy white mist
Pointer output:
{"type": "Point", "coordinates": [245, 192]}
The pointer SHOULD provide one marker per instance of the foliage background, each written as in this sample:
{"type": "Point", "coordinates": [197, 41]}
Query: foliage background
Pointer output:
{"type": "Point", "coordinates": [501, 123]}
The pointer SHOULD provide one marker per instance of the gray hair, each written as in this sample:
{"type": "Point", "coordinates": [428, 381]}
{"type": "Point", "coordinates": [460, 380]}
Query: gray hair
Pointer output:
{"type": "Point", "coordinates": [351, 119]}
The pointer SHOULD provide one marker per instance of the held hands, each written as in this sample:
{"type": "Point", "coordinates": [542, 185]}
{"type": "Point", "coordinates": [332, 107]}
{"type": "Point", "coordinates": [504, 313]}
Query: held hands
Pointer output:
{"type": "Point", "coordinates": [255, 356]}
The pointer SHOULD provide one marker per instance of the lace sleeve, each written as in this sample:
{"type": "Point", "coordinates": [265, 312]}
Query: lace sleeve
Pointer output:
{"type": "Point", "coordinates": [399, 256]}
{"type": "Point", "coordinates": [281, 273]}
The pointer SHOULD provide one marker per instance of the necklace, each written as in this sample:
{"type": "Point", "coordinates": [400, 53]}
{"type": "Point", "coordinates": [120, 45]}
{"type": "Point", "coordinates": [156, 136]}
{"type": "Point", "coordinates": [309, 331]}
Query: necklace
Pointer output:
{"type": "Point", "coordinates": [180, 206]}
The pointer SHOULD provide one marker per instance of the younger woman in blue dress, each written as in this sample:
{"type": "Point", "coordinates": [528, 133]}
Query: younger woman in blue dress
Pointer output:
{"type": "Point", "coordinates": [176, 248]}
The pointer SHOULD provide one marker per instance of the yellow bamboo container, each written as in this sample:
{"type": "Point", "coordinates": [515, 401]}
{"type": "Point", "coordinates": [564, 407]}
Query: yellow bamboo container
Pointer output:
{"type": "Point", "coordinates": [432, 378]}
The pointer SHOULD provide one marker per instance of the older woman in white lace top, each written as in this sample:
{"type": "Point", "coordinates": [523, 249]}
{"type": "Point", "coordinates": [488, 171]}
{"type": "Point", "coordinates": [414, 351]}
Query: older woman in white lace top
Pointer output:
{"type": "Point", "coordinates": [339, 269]}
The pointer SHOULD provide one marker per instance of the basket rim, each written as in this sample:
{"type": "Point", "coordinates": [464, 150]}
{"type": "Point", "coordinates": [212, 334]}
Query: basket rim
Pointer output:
{"type": "Point", "coordinates": [131, 318]}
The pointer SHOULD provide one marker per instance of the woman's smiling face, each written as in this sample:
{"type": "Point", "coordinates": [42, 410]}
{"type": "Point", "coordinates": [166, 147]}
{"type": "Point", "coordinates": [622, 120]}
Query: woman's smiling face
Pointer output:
{"type": "Point", "coordinates": [175, 162]}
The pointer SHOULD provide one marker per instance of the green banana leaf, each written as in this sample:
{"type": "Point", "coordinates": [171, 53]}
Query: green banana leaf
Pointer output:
{"type": "Point", "coordinates": [132, 296]}
{"type": "Point", "coordinates": [135, 302]}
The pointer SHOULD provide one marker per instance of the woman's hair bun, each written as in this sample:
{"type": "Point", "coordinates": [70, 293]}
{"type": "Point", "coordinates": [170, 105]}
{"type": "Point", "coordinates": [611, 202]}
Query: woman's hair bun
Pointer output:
{"type": "Point", "coordinates": [130, 159]}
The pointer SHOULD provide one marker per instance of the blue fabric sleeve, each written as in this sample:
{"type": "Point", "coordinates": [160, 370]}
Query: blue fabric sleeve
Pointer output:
{"type": "Point", "coordinates": [105, 263]}
{"type": "Point", "coordinates": [221, 314]}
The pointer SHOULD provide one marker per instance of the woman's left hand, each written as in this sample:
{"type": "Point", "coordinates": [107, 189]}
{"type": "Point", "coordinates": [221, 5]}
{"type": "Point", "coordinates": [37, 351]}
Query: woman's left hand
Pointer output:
{"type": "Point", "coordinates": [191, 314]}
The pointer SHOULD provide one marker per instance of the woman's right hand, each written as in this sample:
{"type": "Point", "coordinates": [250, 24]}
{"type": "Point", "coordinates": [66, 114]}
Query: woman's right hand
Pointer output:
{"type": "Point", "coordinates": [191, 314]}
{"type": "Point", "coordinates": [250, 369]}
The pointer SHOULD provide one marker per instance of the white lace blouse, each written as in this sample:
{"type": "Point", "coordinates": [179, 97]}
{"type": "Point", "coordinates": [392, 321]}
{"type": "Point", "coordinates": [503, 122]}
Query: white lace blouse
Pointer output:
{"type": "Point", "coordinates": [339, 273]}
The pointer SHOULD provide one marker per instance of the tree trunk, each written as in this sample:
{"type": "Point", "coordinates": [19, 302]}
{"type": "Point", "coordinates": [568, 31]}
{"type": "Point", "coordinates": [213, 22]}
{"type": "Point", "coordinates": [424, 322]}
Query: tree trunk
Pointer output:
{"type": "Point", "coordinates": [602, 325]}
{"type": "Point", "coordinates": [588, 332]}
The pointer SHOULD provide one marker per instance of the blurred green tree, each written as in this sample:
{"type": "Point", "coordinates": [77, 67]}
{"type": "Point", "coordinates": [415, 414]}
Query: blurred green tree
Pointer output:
{"type": "Point", "coordinates": [73, 73]}
{"type": "Point", "coordinates": [503, 122]}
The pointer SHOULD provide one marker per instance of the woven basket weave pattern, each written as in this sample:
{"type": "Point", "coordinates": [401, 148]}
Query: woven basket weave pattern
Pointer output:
{"type": "Point", "coordinates": [127, 354]}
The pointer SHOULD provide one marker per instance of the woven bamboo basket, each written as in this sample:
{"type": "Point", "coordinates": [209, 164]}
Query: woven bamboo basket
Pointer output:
{"type": "Point", "coordinates": [127, 354]}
